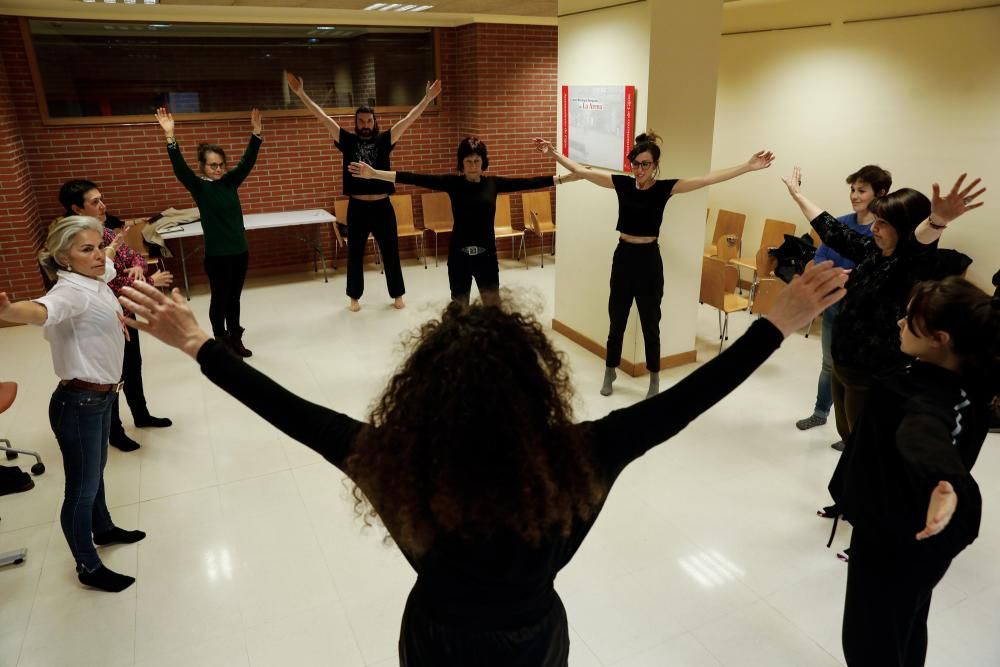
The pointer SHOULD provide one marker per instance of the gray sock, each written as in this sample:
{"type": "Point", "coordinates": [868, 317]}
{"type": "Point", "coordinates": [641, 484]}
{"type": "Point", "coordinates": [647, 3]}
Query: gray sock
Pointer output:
{"type": "Point", "coordinates": [654, 385]}
{"type": "Point", "coordinates": [609, 376]}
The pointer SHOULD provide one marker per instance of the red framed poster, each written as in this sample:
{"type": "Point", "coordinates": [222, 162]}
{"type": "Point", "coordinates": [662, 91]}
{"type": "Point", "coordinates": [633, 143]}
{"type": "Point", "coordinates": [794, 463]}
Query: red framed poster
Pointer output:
{"type": "Point", "coordinates": [598, 125]}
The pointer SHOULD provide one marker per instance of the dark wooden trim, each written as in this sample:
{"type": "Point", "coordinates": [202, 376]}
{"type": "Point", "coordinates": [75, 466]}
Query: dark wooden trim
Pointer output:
{"type": "Point", "coordinates": [633, 369]}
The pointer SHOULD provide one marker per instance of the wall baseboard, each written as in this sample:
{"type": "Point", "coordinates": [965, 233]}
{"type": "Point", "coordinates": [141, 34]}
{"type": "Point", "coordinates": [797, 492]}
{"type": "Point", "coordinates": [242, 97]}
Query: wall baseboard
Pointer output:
{"type": "Point", "coordinates": [633, 369]}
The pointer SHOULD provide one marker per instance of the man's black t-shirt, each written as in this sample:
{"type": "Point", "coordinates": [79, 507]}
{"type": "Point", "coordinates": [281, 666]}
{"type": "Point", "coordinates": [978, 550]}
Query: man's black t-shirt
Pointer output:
{"type": "Point", "coordinates": [374, 152]}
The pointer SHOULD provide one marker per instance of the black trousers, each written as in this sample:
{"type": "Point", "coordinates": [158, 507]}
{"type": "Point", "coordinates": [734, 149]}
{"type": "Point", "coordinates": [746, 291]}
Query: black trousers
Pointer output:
{"type": "Point", "coordinates": [377, 218]}
{"type": "Point", "coordinates": [484, 268]}
{"type": "Point", "coordinates": [132, 387]}
{"type": "Point", "coordinates": [636, 275]}
{"type": "Point", "coordinates": [226, 275]}
{"type": "Point", "coordinates": [886, 605]}
{"type": "Point", "coordinates": [849, 388]}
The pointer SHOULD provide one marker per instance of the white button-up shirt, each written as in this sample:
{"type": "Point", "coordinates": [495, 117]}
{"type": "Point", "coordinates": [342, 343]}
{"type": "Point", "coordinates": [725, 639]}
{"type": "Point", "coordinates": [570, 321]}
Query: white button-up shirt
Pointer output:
{"type": "Point", "coordinates": [82, 328]}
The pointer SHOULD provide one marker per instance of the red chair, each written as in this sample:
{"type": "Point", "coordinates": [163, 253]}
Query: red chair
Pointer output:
{"type": "Point", "coordinates": [8, 392]}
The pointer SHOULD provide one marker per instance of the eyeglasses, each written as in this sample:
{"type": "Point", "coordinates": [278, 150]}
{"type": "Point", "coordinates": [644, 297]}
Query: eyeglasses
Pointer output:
{"type": "Point", "coordinates": [645, 164]}
{"type": "Point", "coordinates": [215, 166]}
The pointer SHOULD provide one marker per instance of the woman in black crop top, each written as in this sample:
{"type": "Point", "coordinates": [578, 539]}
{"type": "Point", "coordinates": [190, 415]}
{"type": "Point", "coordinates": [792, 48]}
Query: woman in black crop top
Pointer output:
{"type": "Point", "coordinates": [473, 463]}
{"type": "Point", "coordinates": [637, 268]}
{"type": "Point", "coordinates": [472, 252]}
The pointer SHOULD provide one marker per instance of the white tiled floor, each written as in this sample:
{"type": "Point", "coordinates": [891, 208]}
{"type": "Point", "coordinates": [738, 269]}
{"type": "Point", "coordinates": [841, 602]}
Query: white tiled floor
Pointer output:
{"type": "Point", "coordinates": [708, 552]}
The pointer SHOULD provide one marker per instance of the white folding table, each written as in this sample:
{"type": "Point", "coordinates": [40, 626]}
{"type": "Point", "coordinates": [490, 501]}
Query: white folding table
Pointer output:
{"type": "Point", "coordinates": [314, 216]}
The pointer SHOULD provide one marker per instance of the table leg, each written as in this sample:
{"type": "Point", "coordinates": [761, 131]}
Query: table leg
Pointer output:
{"type": "Point", "coordinates": [184, 270]}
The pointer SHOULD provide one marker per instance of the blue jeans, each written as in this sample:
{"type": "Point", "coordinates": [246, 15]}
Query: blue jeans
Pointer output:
{"type": "Point", "coordinates": [824, 395]}
{"type": "Point", "coordinates": [81, 421]}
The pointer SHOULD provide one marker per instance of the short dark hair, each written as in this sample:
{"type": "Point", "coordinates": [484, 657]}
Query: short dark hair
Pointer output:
{"type": "Point", "coordinates": [647, 141]}
{"type": "Point", "coordinates": [210, 148]}
{"type": "Point", "coordinates": [904, 209]}
{"type": "Point", "coordinates": [472, 146]}
{"type": "Point", "coordinates": [971, 319]}
{"type": "Point", "coordinates": [873, 175]}
{"type": "Point", "coordinates": [71, 193]}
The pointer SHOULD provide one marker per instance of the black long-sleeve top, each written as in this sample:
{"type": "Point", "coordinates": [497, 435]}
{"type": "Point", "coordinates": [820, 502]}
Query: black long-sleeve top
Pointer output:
{"type": "Point", "coordinates": [921, 425]}
{"type": "Point", "coordinates": [503, 583]}
{"type": "Point", "coordinates": [867, 334]}
{"type": "Point", "coordinates": [218, 201]}
{"type": "Point", "coordinates": [473, 204]}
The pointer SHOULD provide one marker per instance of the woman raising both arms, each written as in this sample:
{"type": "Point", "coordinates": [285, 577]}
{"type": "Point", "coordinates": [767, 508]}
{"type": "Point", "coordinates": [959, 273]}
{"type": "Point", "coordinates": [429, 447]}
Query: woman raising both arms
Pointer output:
{"type": "Point", "coordinates": [637, 268]}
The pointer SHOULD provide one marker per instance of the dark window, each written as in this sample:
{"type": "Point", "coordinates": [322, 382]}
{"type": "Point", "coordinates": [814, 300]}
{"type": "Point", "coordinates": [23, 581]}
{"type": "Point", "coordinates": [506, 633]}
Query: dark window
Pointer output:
{"type": "Point", "coordinates": [88, 69]}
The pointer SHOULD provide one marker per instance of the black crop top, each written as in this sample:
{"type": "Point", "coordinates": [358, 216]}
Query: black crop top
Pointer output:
{"type": "Point", "coordinates": [640, 212]}
{"type": "Point", "coordinates": [374, 152]}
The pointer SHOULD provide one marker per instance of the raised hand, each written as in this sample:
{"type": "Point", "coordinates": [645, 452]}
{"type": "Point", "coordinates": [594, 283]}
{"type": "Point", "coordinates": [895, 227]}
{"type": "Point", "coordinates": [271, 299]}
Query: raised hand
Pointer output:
{"type": "Point", "coordinates": [166, 317]}
{"type": "Point", "coordinates": [794, 181]}
{"type": "Point", "coordinates": [808, 295]}
{"type": "Point", "coordinates": [162, 279]}
{"type": "Point", "coordinates": [940, 509]}
{"type": "Point", "coordinates": [256, 120]}
{"type": "Point", "coordinates": [956, 202]}
{"type": "Point", "coordinates": [760, 160]}
{"type": "Point", "coordinates": [361, 170]}
{"type": "Point", "coordinates": [543, 146]}
{"type": "Point", "coordinates": [433, 90]}
{"type": "Point", "coordinates": [294, 82]}
{"type": "Point", "coordinates": [166, 121]}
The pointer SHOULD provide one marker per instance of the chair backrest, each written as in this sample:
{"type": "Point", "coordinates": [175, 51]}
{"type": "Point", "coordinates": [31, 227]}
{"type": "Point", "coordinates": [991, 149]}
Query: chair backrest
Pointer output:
{"type": "Point", "coordinates": [540, 204]}
{"type": "Point", "coordinates": [713, 282]}
{"type": "Point", "coordinates": [133, 236]}
{"type": "Point", "coordinates": [766, 292]}
{"type": "Point", "coordinates": [727, 247]}
{"type": "Point", "coordinates": [403, 206]}
{"type": "Point", "coordinates": [8, 392]}
{"type": "Point", "coordinates": [502, 218]}
{"type": "Point", "coordinates": [729, 222]}
{"type": "Point", "coordinates": [765, 263]}
{"type": "Point", "coordinates": [774, 233]}
{"type": "Point", "coordinates": [437, 209]}
{"type": "Point", "coordinates": [340, 210]}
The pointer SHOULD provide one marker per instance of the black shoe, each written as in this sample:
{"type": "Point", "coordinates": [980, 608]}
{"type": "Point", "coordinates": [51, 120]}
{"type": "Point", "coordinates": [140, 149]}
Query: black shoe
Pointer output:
{"type": "Point", "coordinates": [839, 445]}
{"type": "Point", "coordinates": [150, 421]}
{"type": "Point", "coordinates": [236, 344]}
{"type": "Point", "coordinates": [844, 555]}
{"type": "Point", "coordinates": [123, 442]}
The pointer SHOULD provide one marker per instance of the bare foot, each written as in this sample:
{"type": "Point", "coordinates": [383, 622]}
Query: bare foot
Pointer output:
{"type": "Point", "coordinates": [398, 303]}
{"type": "Point", "coordinates": [355, 305]}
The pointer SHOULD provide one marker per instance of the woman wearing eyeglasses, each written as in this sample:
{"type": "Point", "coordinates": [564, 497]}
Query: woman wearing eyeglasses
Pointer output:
{"type": "Point", "coordinates": [637, 269]}
{"type": "Point", "coordinates": [215, 192]}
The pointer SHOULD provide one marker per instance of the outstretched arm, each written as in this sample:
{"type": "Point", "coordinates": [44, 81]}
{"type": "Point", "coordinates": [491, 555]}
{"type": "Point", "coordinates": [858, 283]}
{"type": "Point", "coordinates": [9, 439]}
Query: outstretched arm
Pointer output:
{"type": "Point", "coordinates": [22, 312]}
{"type": "Point", "coordinates": [239, 173]}
{"type": "Point", "coordinates": [794, 183]}
{"type": "Point", "coordinates": [757, 161]}
{"type": "Point", "coordinates": [945, 209]}
{"type": "Point", "coordinates": [168, 318]}
{"type": "Point", "coordinates": [297, 86]}
{"type": "Point", "coordinates": [366, 171]}
{"type": "Point", "coordinates": [181, 169]}
{"type": "Point", "coordinates": [595, 176]}
{"type": "Point", "coordinates": [396, 133]}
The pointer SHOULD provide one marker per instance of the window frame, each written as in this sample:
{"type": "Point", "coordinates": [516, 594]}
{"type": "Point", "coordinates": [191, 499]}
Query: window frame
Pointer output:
{"type": "Point", "coordinates": [43, 107]}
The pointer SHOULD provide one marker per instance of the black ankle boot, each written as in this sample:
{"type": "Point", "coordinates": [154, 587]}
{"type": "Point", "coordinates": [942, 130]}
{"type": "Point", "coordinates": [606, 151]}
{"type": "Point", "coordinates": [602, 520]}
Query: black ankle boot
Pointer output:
{"type": "Point", "coordinates": [236, 344]}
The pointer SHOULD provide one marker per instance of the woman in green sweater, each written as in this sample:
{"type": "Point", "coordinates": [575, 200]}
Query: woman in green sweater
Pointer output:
{"type": "Point", "coordinates": [215, 192]}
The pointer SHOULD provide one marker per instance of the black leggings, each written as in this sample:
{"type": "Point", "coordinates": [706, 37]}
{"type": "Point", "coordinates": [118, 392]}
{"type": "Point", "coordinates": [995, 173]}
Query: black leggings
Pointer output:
{"type": "Point", "coordinates": [132, 387]}
{"type": "Point", "coordinates": [887, 601]}
{"type": "Point", "coordinates": [377, 218]}
{"type": "Point", "coordinates": [636, 275]}
{"type": "Point", "coordinates": [226, 275]}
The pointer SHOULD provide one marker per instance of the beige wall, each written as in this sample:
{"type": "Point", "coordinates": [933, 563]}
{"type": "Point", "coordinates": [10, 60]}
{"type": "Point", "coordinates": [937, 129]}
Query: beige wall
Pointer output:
{"type": "Point", "coordinates": [608, 46]}
{"type": "Point", "coordinates": [675, 77]}
{"type": "Point", "coordinates": [920, 96]}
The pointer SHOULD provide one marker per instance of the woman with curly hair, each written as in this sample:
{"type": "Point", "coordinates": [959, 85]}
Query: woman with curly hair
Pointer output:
{"type": "Point", "coordinates": [489, 494]}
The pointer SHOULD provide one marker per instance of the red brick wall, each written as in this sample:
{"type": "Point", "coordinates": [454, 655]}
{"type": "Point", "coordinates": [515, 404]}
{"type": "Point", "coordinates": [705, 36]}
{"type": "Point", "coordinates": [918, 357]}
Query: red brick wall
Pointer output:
{"type": "Point", "coordinates": [499, 83]}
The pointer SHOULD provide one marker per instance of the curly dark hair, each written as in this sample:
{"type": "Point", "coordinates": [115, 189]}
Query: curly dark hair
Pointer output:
{"type": "Point", "coordinates": [472, 436]}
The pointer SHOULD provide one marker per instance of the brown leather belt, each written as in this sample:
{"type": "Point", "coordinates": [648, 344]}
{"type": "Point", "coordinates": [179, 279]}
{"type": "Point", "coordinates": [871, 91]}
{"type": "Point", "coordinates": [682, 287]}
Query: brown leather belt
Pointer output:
{"type": "Point", "coordinates": [83, 385]}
